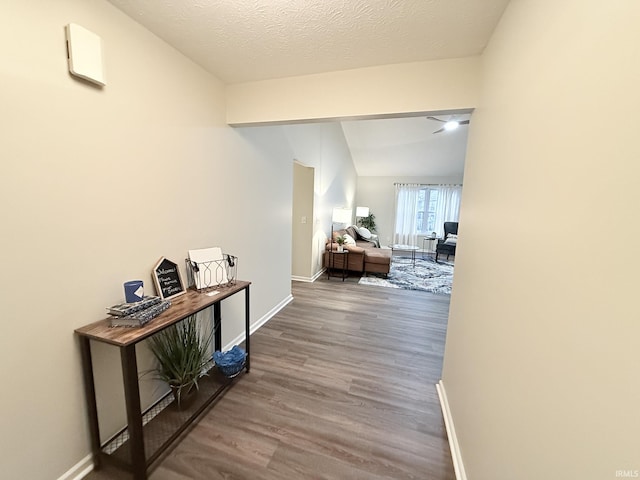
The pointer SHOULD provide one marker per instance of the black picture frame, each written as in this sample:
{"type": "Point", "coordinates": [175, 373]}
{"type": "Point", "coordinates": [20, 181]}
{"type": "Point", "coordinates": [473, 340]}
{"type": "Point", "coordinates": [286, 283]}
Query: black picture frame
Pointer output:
{"type": "Point", "coordinates": [168, 279]}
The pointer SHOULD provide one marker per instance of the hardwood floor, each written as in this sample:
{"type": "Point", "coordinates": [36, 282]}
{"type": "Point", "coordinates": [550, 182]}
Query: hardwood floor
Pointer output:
{"type": "Point", "coordinates": [342, 386]}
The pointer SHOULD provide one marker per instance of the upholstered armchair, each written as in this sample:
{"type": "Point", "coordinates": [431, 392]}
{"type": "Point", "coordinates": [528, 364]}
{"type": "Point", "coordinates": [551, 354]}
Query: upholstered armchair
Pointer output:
{"type": "Point", "coordinates": [447, 245]}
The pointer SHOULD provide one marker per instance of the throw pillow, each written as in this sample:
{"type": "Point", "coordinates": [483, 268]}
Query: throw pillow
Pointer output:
{"type": "Point", "coordinates": [349, 240]}
{"type": "Point", "coordinates": [352, 231]}
{"type": "Point", "coordinates": [452, 239]}
{"type": "Point", "coordinates": [364, 232]}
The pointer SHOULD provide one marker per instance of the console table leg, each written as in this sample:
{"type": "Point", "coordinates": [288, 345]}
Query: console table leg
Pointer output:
{"type": "Point", "coordinates": [217, 325]}
{"type": "Point", "coordinates": [90, 394]}
{"type": "Point", "coordinates": [247, 327]}
{"type": "Point", "coordinates": [134, 412]}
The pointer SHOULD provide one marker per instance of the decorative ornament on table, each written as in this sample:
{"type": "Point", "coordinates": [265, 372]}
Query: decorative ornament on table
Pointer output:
{"type": "Point", "coordinates": [133, 291]}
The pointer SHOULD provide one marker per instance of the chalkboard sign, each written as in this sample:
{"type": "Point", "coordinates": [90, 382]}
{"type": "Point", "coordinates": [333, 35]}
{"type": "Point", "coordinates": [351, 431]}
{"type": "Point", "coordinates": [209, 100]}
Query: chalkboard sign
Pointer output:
{"type": "Point", "coordinates": [166, 276]}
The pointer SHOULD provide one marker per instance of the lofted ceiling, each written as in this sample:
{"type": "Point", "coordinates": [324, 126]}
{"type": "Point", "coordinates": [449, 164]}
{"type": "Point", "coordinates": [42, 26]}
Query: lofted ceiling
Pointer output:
{"type": "Point", "coordinates": [250, 40]}
{"type": "Point", "coordinates": [406, 147]}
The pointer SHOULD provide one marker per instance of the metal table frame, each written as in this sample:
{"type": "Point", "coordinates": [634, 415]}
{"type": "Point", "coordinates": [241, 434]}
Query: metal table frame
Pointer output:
{"type": "Point", "coordinates": [405, 248]}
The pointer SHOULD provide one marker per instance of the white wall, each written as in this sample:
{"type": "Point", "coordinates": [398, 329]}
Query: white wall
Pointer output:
{"type": "Point", "coordinates": [96, 185]}
{"type": "Point", "coordinates": [302, 221]}
{"type": "Point", "coordinates": [389, 89]}
{"type": "Point", "coordinates": [378, 193]}
{"type": "Point", "coordinates": [323, 146]}
{"type": "Point", "coordinates": [542, 364]}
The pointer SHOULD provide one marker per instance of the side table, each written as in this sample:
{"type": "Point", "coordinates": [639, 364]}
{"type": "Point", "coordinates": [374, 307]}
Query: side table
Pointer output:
{"type": "Point", "coordinates": [428, 245]}
{"type": "Point", "coordinates": [343, 256]}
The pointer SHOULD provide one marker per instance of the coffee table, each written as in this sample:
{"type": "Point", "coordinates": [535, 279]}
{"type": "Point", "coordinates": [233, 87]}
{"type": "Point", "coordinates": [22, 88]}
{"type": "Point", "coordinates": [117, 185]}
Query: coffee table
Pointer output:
{"type": "Point", "coordinates": [405, 248]}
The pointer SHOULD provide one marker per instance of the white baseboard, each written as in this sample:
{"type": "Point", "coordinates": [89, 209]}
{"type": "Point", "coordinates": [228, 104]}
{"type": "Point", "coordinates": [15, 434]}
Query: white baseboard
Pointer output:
{"type": "Point", "coordinates": [79, 470]}
{"type": "Point", "coordinates": [296, 278]}
{"type": "Point", "coordinates": [456, 455]}
{"type": "Point", "coordinates": [260, 322]}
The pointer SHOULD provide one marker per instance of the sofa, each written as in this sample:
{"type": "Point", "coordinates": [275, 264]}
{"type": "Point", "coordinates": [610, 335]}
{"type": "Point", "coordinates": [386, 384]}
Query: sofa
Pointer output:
{"type": "Point", "coordinates": [365, 256]}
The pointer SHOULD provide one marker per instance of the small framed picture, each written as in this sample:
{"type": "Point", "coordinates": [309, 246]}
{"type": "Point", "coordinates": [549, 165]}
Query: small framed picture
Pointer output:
{"type": "Point", "coordinates": [168, 280]}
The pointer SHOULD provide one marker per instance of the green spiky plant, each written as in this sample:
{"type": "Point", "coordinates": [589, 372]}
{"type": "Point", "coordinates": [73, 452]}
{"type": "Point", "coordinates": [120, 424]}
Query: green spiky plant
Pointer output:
{"type": "Point", "coordinates": [182, 352]}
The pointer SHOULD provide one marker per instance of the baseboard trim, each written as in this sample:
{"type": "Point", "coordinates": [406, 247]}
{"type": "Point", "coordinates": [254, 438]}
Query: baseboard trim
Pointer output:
{"type": "Point", "coordinates": [260, 322]}
{"type": "Point", "coordinates": [79, 470]}
{"type": "Point", "coordinates": [296, 278]}
{"type": "Point", "coordinates": [319, 274]}
{"type": "Point", "coordinates": [456, 455]}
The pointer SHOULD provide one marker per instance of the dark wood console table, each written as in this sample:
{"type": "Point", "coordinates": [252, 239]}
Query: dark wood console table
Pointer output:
{"type": "Point", "coordinates": [149, 433]}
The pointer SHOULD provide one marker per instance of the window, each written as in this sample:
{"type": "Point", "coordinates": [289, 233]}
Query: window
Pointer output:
{"type": "Point", "coordinates": [423, 209]}
{"type": "Point", "coordinates": [426, 215]}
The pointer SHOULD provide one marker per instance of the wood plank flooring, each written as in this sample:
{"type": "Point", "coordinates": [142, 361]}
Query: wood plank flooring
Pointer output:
{"type": "Point", "coordinates": [342, 386]}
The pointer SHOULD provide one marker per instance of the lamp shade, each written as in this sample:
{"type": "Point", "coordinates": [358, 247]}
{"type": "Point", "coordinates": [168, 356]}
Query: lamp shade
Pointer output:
{"type": "Point", "coordinates": [362, 211]}
{"type": "Point", "coordinates": [341, 215]}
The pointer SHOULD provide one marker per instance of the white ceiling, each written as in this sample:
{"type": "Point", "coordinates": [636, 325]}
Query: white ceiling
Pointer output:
{"type": "Point", "coordinates": [406, 147]}
{"type": "Point", "coordinates": [246, 40]}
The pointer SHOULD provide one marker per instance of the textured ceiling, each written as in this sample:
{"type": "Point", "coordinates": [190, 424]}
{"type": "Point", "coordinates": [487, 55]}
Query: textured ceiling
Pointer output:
{"type": "Point", "coordinates": [245, 40]}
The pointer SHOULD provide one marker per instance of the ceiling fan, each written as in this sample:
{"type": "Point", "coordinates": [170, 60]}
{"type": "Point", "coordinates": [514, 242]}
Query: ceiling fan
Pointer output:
{"type": "Point", "coordinates": [450, 124]}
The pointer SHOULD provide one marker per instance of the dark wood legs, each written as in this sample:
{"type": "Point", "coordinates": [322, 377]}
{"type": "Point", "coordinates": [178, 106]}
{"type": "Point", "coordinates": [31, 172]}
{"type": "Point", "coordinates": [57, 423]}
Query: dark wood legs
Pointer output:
{"type": "Point", "coordinates": [90, 395]}
{"type": "Point", "coordinates": [134, 412]}
{"type": "Point", "coordinates": [247, 328]}
{"type": "Point", "coordinates": [217, 322]}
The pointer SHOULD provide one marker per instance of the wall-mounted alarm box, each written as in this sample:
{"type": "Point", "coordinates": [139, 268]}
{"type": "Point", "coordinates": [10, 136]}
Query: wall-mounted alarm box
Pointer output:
{"type": "Point", "coordinates": [84, 51]}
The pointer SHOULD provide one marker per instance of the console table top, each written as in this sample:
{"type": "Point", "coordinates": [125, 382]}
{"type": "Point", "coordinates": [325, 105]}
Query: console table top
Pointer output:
{"type": "Point", "coordinates": [181, 307]}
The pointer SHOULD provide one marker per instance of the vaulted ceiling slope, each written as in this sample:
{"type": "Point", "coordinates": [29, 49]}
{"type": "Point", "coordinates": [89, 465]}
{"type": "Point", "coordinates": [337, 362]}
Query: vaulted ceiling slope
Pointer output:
{"type": "Point", "coordinates": [406, 147]}
{"type": "Point", "coordinates": [247, 40]}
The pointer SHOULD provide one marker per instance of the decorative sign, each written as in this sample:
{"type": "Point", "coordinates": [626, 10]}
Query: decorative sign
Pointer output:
{"type": "Point", "coordinates": [166, 276]}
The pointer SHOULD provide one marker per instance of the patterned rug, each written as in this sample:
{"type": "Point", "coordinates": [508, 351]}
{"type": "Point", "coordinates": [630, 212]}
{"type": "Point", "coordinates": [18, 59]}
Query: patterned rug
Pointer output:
{"type": "Point", "coordinates": [427, 276]}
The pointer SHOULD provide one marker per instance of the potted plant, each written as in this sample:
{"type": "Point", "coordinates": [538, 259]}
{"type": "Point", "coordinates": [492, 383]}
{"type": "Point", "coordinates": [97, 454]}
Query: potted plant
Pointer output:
{"type": "Point", "coordinates": [182, 352]}
{"type": "Point", "coordinates": [368, 222]}
{"type": "Point", "coordinates": [340, 241]}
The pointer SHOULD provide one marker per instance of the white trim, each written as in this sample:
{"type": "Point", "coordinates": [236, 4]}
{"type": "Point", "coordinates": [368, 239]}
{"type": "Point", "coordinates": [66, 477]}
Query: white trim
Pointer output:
{"type": "Point", "coordinates": [319, 274]}
{"type": "Point", "coordinates": [296, 278]}
{"type": "Point", "coordinates": [260, 322]}
{"type": "Point", "coordinates": [79, 470]}
{"type": "Point", "coordinates": [456, 454]}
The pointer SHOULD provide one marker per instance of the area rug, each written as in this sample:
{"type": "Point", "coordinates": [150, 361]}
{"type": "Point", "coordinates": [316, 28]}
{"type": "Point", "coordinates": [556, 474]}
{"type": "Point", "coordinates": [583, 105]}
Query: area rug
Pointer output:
{"type": "Point", "coordinates": [427, 276]}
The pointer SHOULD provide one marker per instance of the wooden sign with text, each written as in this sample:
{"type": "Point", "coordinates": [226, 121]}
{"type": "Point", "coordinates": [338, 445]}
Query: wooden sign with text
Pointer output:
{"type": "Point", "coordinates": [168, 280]}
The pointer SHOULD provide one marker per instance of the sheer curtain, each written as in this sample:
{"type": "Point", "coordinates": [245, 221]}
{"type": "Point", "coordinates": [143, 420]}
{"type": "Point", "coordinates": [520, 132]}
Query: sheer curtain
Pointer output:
{"type": "Point", "coordinates": [406, 214]}
{"type": "Point", "coordinates": [448, 206]}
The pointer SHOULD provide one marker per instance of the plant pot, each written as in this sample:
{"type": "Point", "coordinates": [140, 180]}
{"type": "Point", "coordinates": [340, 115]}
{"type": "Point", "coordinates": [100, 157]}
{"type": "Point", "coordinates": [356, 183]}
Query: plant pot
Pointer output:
{"type": "Point", "coordinates": [183, 395]}
{"type": "Point", "coordinates": [340, 248]}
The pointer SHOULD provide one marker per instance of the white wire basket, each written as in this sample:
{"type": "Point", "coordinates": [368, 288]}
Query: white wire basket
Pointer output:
{"type": "Point", "coordinates": [205, 276]}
